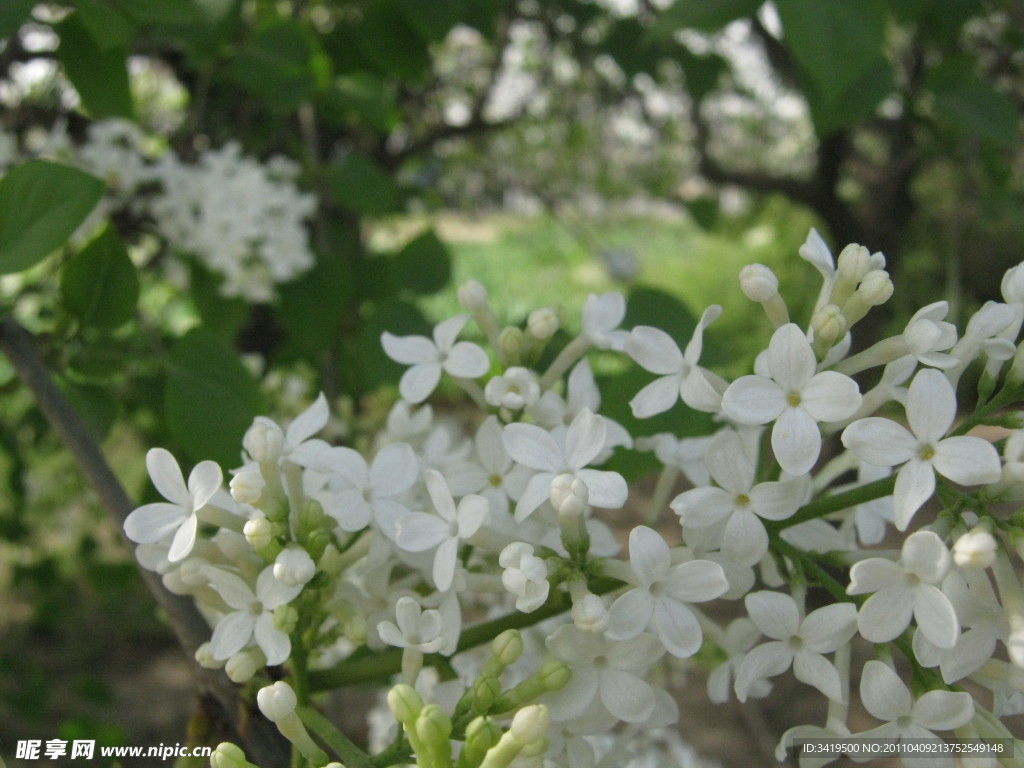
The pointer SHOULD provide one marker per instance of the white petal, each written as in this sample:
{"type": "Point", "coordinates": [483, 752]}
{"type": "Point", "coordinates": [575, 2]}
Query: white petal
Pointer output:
{"type": "Point", "coordinates": [272, 592]}
{"type": "Point", "coordinates": [880, 441]}
{"type": "Point", "coordinates": [728, 463]}
{"type": "Point", "coordinates": [274, 643]}
{"type": "Point", "coordinates": [448, 330]}
{"type": "Point", "coordinates": [657, 397]}
{"type": "Point", "coordinates": [696, 345]}
{"type": "Point", "coordinates": [347, 466]}
{"type": "Point", "coordinates": [444, 564]}
{"type": "Point", "coordinates": [873, 574]}
{"type": "Point", "coordinates": [467, 360]}
{"type": "Point", "coordinates": [678, 629]}
{"type": "Point", "coordinates": [184, 539]}
{"type": "Point", "coordinates": [630, 614]}
{"type": "Point", "coordinates": [409, 350]}
{"type": "Point", "coordinates": [648, 555]}
{"type": "Point", "coordinates": [790, 358]}
{"type": "Point", "coordinates": [885, 614]}
{"type": "Point", "coordinates": [925, 555]}
{"type": "Point", "coordinates": [777, 500]}
{"type": "Point", "coordinates": [166, 476]}
{"type": "Point", "coordinates": [654, 350]}
{"type": "Point", "coordinates": [533, 447]}
{"type": "Point", "coordinates": [753, 400]}
{"type": "Point", "coordinates": [943, 710]}
{"type": "Point", "coordinates": [440, 494]}
{"type": "Point", "coordinates": [829, 628]}
{"type": "Point", "coordinates": [762, 662]}
{"type": "Point", "coordinates": [830, 396]}
{"type": "Point", "coordinates": [883, 693]}
{"type": "Point", "coordinates": [701, 507]}
{"type": "Point", "coordinates": [490, 448]}
{"type": "Point", "coordinates": [394, 470]}
{"type": "Point", "coordinates": [935, 616]}
{"type": "Point", "coordinates": [796, 440]}
{"type": "Point", "coordinates": [745, 541]}
{"type": "Point", "coordinates": [696, 581]}
{"type": "Point", "coordinates": [419, 531]}
{"type": "Point", "coordinates": [814, 669]}
{"type": "Point", "coordinates": [536, 493]}
{"type": "Point", "coordinates": [702, 390]}
{"type": "Point", "coordinates": [915, 483]}
{"type": "Point", "coordinates": [774, 613]}
{"type": "Point", "coordinates": [472, 513]}
{"type": "Point", "coordinates": [152, 522]}
{"type": "Point", "coordinates": [967, 460]}
{"type": "Point", "coordinates": [581, 390]}
{"type": "Point", "coordinates": [584, 439]}
{"type": "Point", "coordinates": [203, 482]}
{"type": "Point", "coordinates": [308, 423]}
{"type": "Point", "coordinates": [931, 405]}
{"type": "Point", "coordinates": [419, 381]}
{"type": "Point", "coordinates": [231, 634]}
{"type": "Point", "coordinates": [235, 592]}
{"type": "Point", "coordinates": [626, 696]}
{"type": "Point", "coordinates": [608, 490]}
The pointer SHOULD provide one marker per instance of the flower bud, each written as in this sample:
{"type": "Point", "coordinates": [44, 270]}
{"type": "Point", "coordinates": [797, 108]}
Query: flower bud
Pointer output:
{"type": "Point", "coordinates": [277, 702]}
{"type": "Point", "coordinates": [542, 323]}
{"type": "Point", "coordinates": [472, 295]}
{"type": "Point", "coordinates": [854, 262]}
{"type": "Point", "coordinates": [204, 657]}
{"type": "Point", "coordinates": [515, 389]}
{"type": "Point", "coordinates": [264, 441]}
{"type": "Point", "coordinates": [244, 665]}
{"type": "Point", "coordinates": [507, 647]}
{"type": "Point", "coordinates": [434, 726]}
{"type": "Point", "coordinates": [228, 755]}
{"type": "Point", "coordinates": [511, 344]}
{"type": "Point", "coordinates": [293, 566]}
{"type": "Point", "coordinates": [405, 704]}
{"type": "Point", "coordinates": [247, 487]}
{"type": "Point", "coordinates": [589, 613]}
{"type": "Point", "coordinates": [1012, 286]}
{"type": "Point", "coordinates": [976, 549]}
{"type": "Point", "coordinates": [285, 618]}
{"type": "Point", "coordinates": [486, 690]}
{"type": "Point", "coordinates": [829, 324]}
{"type": "Point", "coordinates": [554, 674]}
{"type": "Point", "coordinates": [259, 532]}
{"type": "Point", "coordinates": [876, 287]}
{"type": "Point", "coordinates": [758, 282]}
{"type": "Point", "coordinates": [530, 724]}
{"type": "Point", "coordinates": [569, 495]}
{"type": "Point", "coordinates": [482, 733]}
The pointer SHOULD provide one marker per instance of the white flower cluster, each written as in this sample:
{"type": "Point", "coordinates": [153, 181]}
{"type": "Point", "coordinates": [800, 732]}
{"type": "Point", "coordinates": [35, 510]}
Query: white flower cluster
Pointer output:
{"type": "Point", "coordinates": [242, 219]}
{"type": "Point", "coordinates": [441, 547]}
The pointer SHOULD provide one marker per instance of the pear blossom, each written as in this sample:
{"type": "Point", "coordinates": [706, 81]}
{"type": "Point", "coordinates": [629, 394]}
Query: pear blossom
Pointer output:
{"type": "Point", "coordinates": [420, 531]}
{"type": "Point", "coordinates": [739, 503]}
{"type": "Point", "coordinates": [581, 443]}
{"type": "Point", "coordinates": [923, 451]}
{"type": "Point", "coordinates": [909, 588]}
{"type": "Point", "coordinates": [887, 698]}
{"type": "Point", "coordinates": [794, 396]}
{"type": "Point", "coordinates": [253, 617]}
{"type": "Point", "coordinates": [177, 517]}
{"type": "Point", "coordinates": [797, 642]}
{"type": "Point", "coordinates": [429, 357]}
{"type": "Point", "coordinates": [357, 494]}
{"type": "Point", "coordinates": [680, 376]}
{"type": "Point", "coordinates": [662, 593]}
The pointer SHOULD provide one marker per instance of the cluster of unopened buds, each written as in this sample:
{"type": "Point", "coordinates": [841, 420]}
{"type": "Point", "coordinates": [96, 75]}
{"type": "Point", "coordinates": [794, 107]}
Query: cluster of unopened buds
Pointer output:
{"type": "Point", "coordinates": [465, 566]}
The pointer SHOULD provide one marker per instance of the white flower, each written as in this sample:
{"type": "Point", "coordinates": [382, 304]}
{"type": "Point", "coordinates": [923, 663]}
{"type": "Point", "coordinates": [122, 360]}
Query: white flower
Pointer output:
{"type": "Point", "coordinates": [515, 389]}
{"type": "Point", "coordinates": [604, 670]}
{"type": "Point", "coordinates": [538, 449]}
{"type": "Point", "coordinates": [794, 397]}
{"type": "Point", "coordinates": [905, 589]}
{"type": "Point", "coordinates": [663, 590]}
{"type": "Point", "coordinates": [887, 698]}
{"type": "Point", "coordinates": [796, 642]}
{"type": "Point", "coordinates": [178, 519]}
{"type": "Point", "coordinates": [601, 318]}
{"type": "Point", "coordinates": [357, 495]}
{"type": "Point", "coordinates": [253, 617]}
{"type": "Point", "coordinates": [525, 576]}
{"type": "Point", "coordinates": [735, 642]}
{"type": "Point", "coordinates": [420, 531]}
{"type": "Point", "coordinates": [462, 359]}
{"type": "Point", "coordinates": [931, 409]}
{"type": "Point", "coordinates": [266, 442]}
{"type": "Point", "coordinates": [293, 566]}
{"type": "Point", "coordinates": [680, 374]}
{"type": "Point", "coordinates": [416, 629]}
{"type": "Point", "coordinates": [504, 478]}
{"type": "Point", "coordinates": [739, 503]}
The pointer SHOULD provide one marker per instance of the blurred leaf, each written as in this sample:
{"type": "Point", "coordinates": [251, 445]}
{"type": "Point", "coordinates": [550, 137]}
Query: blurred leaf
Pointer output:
{"type": "Point", "coordinates": [100, 285]}
{"type": "Point", "coordinates": [276, 65]}
{"type": "Point", "coordinates": [161, 12]}
{"type": "Point", "coordinates": [390, 44]}
{"type": "Point", "coordinates": [829, 113]}
{"type": "Point", "coordinates": [109, 28]}
{"type": "Point", "coordinates": [704, 15]}
{"type": "Point", "coordinates": [972, 105]}
{"type": "Point", "coordinates": [97, 406]}
{"type": "Point", "coordinates": [629, 44]}
{"type": "Point", "coordinates": [424, 265]}
{"type": "Point", "coordinates": [702, 72]}
{"type": "Point", "coordinates": [362, 98]}
{"type": "Point", "coordinates": [221, 315]}
{"type": "Point", "coordinates": [369, 367]}
{"type": "Point", "coordinates": [99, 74]}
{"type": "Point", "coordinates": [359, 184]}
{"type": "Point", "coordinates": [13, 13]}
{"type": "Point", "coordinates": [432, 21]}
{"type": "Point", "coordinates": [41, 205]}
{"type": "Point", "coordinates": [211, 399]}
{"type": "Point", "coordinates": [704, 211]}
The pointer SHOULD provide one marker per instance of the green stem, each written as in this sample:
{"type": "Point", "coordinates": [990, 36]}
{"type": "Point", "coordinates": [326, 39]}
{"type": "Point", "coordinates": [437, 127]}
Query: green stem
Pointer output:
{"type": "Point", "coordinates": [1006, 396]}
{"type": "Point", "coordinates": [826, 505]}
{"type": "Point", "coordinates": [340, 744]}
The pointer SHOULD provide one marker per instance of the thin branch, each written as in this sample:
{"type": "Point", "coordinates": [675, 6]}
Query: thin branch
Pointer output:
{"type": "Point", "coordinates": [260, 739]}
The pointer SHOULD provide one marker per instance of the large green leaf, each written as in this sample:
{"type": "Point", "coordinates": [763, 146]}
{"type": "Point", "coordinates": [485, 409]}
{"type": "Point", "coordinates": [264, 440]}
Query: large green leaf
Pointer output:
{"type": "Point", "coordinates": [277, 65]}
{"type": "Point", "coordinates": [211, 399]}
{"type": "Point", "coordinates": [424, 265]}
{"type": "Point", "coordinates": [109, 27]}
{"type": "Point", "coordinates": [162, 12]}
{"type": "Point", "coordinates": [100, 285]}
{"type": "Point", "coordinates": [12, 14]}
{"type": "Point", "coordinates": [390, 44]}
{"type": "Point", "coordinates": [830, 113]}
{"type": "Point", "coordinates": [362, 98]}
{"type": "Point", "coordinates": [359, 184]}
{"type": "Point", "coordinates": [98, 72]}
{"type": "Point", "coordinates": [704, 15]}
{"type": "Point", "coordinates": [41, 205]}
{"type": "Point", "coordinates": [972, 105]}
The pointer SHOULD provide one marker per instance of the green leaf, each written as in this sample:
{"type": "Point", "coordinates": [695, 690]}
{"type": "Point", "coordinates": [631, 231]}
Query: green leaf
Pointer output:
{"type": "Point", "coordinates": [108, 27]}
{"type": "Point", "coordinates": [837, 43]}
{"type": "Point", "coordinates": [100, 285]}
{"type": "Point", "coordinates": [359, 184]}
{"type": "Point", "coordinates": [97, 406]}
{"type": "Point", "coordinates": [424, 265]}
{"type": "Point", "coordinates": [99, 73]}
{"type": "Point", "coordinates": [704, 15]}
{"type": "Point", "coordinates": [276, 66]}
{"type": "Point", "coordinates": [432, 21]}
{"type": "Point", "coordinates": [162, 12]}
{"type": "Point", "coordinates": [390, 44]}
{"type": "Point", "coordinates": [972, 105]}
{"type": "Point", "coordinates": [830, 113]}
{"type": "Point", "coordinates": [13, 13]}
{"type": "Point", "coordinates": [211, 399]}
{"type": "Point", "coordinates": [365, 366]}
{"type": "Point", "coordinates": [362, 98]}
{"type": "Point", "coordinates": [702, 72]}
{"type": "Point", "coordinates": [41, 205]}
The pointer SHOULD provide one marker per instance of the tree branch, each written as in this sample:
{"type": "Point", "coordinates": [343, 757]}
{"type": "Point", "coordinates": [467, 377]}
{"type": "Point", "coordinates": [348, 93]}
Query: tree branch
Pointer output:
{"type": "Point", "coordinates": [259, 738]}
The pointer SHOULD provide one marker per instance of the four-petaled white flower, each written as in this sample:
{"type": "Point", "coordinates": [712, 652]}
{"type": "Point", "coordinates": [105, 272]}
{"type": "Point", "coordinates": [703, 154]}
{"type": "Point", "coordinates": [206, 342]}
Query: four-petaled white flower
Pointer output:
{"type": "Point", "coordinates": [794, 396]}
{"type": "Point", "coordinates": [797, 642]}
{"type": "Point", "coordinates": [581, 443]}
{"type": "Point", "coordinates": [413, 627]}
{"type": "Point", "coordinates": [601, 318]}
{"type": "Point", "coordinates": [428, 358]}
{"type": "Point", "coordinates": [357, 495]}
{"type": "Point", "coordinates": [420, 531]}
{"type": "Point", "coordinates": [253, 617]}
{"type": "Point", "coordinates": [739, 502]}
{"type": "Point", "coordinates": [906, 589]}
{"type": "Point", "coordinates": [680, 376]}
{"type": "Point", "coordinates": [177, 517]}
{"type": "Point", "coordinates": [525, 576]}
{"type": "Point", "coordinates": [923, 450]}
{"type": "Point", "coordinates": [661, 595]}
